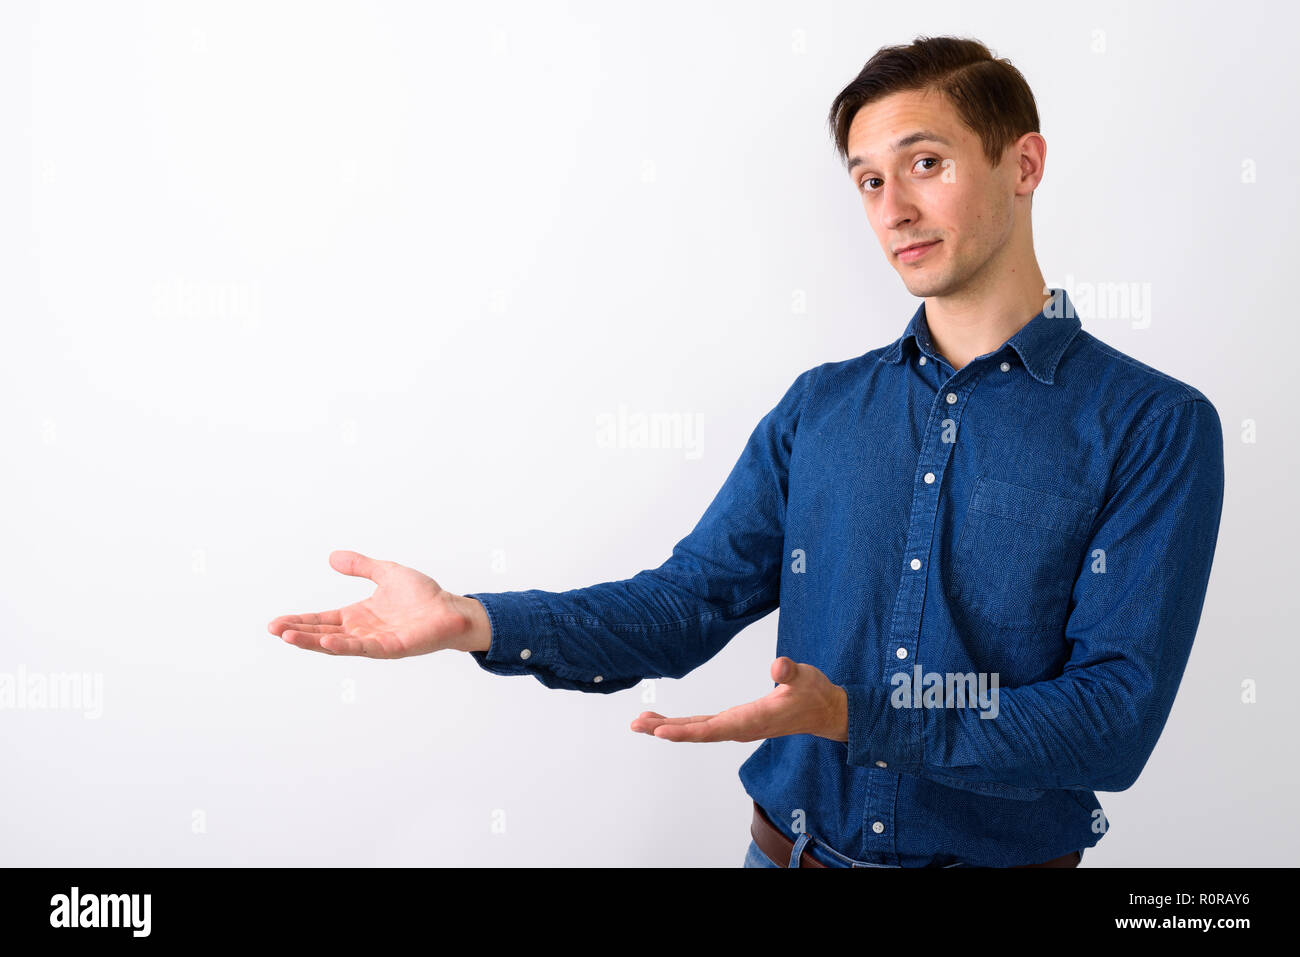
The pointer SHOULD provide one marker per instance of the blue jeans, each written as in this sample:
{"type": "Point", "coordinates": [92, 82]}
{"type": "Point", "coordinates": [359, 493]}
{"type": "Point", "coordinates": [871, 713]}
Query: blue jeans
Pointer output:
{"type": "Point", "coordinates": [756, 858]}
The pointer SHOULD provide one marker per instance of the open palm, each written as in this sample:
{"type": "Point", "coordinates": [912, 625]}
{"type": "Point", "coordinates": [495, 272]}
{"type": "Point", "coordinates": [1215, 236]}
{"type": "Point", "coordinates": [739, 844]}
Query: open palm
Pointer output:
{"type": "Point", "coordinates": [409, 614]}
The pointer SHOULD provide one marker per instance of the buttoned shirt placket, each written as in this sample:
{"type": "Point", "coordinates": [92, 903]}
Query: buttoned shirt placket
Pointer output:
{"type": "Point", "coordinates": [903, 648]}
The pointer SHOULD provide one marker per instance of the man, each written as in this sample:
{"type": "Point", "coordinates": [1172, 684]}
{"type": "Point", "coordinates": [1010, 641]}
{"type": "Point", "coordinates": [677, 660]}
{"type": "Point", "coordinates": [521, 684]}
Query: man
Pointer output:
{"type": "Point", "coordinates": [989, 540]}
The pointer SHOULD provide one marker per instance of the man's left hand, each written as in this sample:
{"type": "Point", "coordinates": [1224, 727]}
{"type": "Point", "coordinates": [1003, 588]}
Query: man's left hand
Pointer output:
{"type": "Point", "coordinates": [805, 702]}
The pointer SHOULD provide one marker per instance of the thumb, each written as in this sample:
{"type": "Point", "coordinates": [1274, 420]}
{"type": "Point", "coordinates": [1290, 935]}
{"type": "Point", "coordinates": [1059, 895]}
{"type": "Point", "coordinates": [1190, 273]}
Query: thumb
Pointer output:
{"type": "Point", "coordinates": [354, 563]}
{"type": "Point", "coordinates": [785, 670]}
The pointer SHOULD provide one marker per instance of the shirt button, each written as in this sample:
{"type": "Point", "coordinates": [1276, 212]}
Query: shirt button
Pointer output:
{"type": "Point", "coordinates": [881, 764]}
{"type": "Point", "coordinates": [877, 827]}
{"type": "Point", "coordinates": [901, 652]}
{"type": "Point", "coordinates": [921, 361]}
{"type": "Point", "coordinates": [929, 478]}
{"type": "Point", "coordinates": [1006, 366]}
{"type": "Point", "coordinates": [916, 563]}
{"type": "Point", "coordinates": [952, 397]}
{"type": "Point", "coordinates": [525, 653]}
{"type": "Point", "coordinates": [598, 679]}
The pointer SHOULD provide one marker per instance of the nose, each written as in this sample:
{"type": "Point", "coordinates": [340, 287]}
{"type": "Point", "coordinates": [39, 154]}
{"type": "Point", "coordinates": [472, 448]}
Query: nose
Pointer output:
{"type": "Point", "coordinates": [897, 209]}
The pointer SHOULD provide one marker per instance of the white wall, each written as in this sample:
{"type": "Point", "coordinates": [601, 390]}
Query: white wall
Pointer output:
{"type": "Point", "coordinates": [285, 278]}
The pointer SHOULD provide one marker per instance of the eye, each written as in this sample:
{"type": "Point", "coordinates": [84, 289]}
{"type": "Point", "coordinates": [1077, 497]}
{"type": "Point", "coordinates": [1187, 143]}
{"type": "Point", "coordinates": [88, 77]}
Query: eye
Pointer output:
{"type": "Point", "coordinates": [862, 185]}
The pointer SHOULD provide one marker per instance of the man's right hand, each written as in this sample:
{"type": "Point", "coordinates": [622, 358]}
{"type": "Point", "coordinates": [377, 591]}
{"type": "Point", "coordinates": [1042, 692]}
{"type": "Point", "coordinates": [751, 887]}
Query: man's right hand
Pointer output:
{"type": "Point", "coordinates": [409, 614]}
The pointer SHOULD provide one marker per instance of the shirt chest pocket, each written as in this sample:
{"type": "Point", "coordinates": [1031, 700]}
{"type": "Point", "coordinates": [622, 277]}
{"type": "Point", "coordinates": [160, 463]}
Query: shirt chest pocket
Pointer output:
{"type": "Point", "coordinates": [1017, 554]}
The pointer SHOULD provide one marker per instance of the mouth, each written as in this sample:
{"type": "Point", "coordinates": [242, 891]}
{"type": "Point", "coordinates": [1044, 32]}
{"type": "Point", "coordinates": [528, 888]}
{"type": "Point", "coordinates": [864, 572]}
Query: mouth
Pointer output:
{"type": "Point", "coordinates": [914, 252]}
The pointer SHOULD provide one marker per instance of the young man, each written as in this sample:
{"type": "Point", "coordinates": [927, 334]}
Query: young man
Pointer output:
{"type": "Point", "coordinates": [990, 540]}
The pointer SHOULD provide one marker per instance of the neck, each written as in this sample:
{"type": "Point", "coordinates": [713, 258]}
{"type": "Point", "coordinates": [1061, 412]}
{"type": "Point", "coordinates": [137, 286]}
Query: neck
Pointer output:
{"type": "Point", "coordinates": [982, 315]}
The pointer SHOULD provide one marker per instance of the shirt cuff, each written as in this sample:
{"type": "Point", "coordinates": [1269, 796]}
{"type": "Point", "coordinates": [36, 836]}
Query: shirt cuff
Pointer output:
{"type": "Point", "coordinates": [524, 642]}
{"type": "Point", "coordinates": [879, 732]}
{"type": "Point", "coordinates": [522, 633]}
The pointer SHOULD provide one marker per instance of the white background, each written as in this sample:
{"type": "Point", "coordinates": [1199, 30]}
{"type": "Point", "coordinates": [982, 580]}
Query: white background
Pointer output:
{"type": "Point", "coordinates": [285, 278]}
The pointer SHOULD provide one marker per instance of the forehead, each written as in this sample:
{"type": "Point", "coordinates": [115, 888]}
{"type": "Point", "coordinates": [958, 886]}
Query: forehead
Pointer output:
{"type": "Point", "coordinates": [878, 126]}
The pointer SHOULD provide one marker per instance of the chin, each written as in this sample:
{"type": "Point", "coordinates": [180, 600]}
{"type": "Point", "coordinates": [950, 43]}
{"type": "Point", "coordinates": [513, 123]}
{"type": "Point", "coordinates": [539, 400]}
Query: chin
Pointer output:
{"type": "Point", "coordinates": [923, 287]}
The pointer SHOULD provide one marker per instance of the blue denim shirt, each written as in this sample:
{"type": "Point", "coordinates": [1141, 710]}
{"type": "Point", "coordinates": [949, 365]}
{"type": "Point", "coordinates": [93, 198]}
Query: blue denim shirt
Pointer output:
{"type": "Point", "coordinates": [1045, 517]}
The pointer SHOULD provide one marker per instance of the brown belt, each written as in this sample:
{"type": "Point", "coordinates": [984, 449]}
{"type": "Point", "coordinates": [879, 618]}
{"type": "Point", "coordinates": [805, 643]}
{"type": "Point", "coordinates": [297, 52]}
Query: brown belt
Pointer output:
{"type": "Point", "coordinates": [778, 847]}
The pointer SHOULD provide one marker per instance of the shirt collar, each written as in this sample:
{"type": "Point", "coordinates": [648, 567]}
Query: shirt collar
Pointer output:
{"type": "Point", "coordinates": [1040, 342]}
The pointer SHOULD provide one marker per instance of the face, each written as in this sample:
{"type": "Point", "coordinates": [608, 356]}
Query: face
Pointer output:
{"type": "Point", "coordinates": [936, 188]}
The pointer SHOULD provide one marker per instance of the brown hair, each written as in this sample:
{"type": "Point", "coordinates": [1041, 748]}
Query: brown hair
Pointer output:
{"type": "Point", "coordinates": [990, 95]}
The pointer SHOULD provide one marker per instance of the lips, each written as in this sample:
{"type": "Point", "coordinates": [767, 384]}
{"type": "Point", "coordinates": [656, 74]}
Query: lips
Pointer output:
{"type": "Point", "coordinates": [916, 251]}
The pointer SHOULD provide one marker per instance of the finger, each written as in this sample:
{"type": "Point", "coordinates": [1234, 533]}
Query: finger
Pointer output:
{"type": "Point", "coordinates": [691, 720]}
{"type": "Point", "coordinates": [787, 671]}
{"type": "Point", "coordinates": [784, 670]}
{"type": "Point", "coordinates": [321, 629]}
{"type": "Point", "coordinates": [354, 563]}
{"type": "Point", "coordinates": [341, 643]}
{"type": "Point", "coordinates": [647, 721]}
{"type": "Point", "coordinates": [368, 646]}
{"type": "Point", "coordinates": [304, 640]}
{"type": "Point", "coordinates": [277, 625]}
{"type": "Point", "coordinates": [718, 727]}
{"type": "Point", "coordinates": [744, 722]}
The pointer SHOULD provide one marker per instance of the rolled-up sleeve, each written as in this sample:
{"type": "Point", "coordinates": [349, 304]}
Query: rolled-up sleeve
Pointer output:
{"type": "Point", "coordinates": [663, 622]}
{"type": "Point", "coordinates": [1136, 607]}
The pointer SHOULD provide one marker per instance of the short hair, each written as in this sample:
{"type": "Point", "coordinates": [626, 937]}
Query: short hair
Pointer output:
{"type": "Point", "coordinates": [989, 94]}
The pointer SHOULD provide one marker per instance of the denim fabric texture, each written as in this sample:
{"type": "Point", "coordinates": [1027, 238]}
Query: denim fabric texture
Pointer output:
{"type": "Point", "coordinates": [1045, 516]}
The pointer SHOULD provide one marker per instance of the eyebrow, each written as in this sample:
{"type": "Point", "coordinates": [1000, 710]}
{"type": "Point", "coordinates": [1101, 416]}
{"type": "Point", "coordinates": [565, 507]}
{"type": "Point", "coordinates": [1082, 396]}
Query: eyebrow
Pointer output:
{"type": "Point", "coordinates": [905, 142]}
